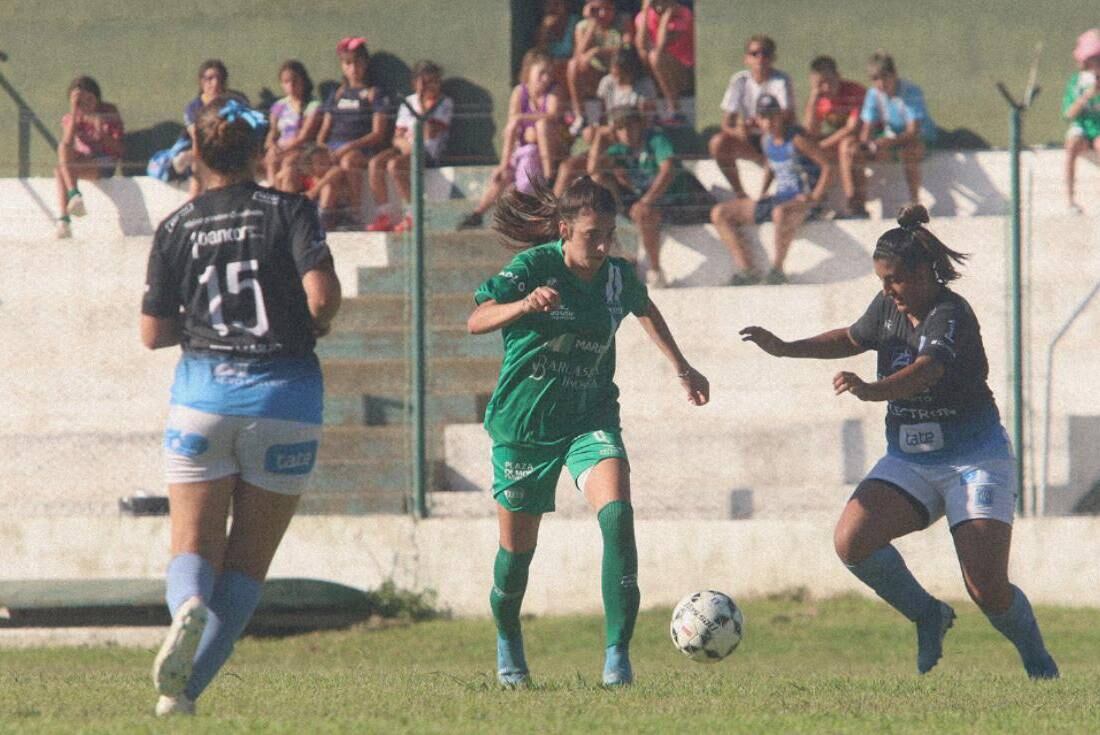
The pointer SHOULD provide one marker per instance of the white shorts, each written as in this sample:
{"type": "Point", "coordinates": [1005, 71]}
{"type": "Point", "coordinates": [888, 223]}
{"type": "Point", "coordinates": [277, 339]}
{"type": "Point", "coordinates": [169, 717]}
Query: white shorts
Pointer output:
{"type": "Point", "coordinates": [273, 454]}
{"type": "Point", "coordinates": [962, 491]}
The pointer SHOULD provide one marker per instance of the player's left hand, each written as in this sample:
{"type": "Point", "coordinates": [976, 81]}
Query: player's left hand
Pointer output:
{"type": "Point", "coordinates": [845, 382]}
{"type": "Point", "coordinates": [697, 386]}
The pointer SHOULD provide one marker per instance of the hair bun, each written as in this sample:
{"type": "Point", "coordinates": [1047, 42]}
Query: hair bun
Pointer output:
{"type": "Point", "coordinates": [912, 216]}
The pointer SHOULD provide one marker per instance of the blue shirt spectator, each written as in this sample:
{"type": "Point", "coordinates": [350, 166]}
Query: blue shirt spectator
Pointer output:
{"type": "Point", "coordinates": [894, 112]}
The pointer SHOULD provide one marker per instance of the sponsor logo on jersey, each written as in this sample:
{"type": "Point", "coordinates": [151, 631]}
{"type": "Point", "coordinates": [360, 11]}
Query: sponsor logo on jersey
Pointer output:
{"type": "Point", "coordinates": [291, 459]}
{"type": "Point", "coordinates": [521, 286]}
{"type": "Point", "coordinates": [613, 290]}
{"type": "Point", "coordinates": [172, 223]}
{"type": "Point", "coordinates": [901, 359]}
{"type": "Point", "coordinates": [185, 445]}
{"type": "Point", "coordinates": [221, 236]}
{"type": "Point", "coordinates": [563, 314]}
{"type": "Point", "coordinates": [267, 197]}
{"type": "Point", "coordinates": [984, 497]}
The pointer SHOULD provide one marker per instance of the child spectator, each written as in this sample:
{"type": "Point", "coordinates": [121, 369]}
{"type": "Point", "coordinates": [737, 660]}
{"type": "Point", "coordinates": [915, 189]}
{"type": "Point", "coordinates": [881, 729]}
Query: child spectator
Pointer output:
{"type": "Point", "coordinates": [556, 36]}
{"type": "Point", "coordinates": [739, 136]}
{"type": "Point", "coordinates": [90, 148]}
{"type": "Point", "coordinates": [427, 96]}
{"type": "Point", "coordinates": [664, 31]}
{"type": "Point", "coordinates": [624, 86]}
{"type": "Point", "coordinates": [533, 140]}
{"type": "Point", "coordinates": [1081, 106]}
{"type": "Point", "coordinates": [801, 172]}
{"type": "Point", "coordinates": [832, 114]}
{"type": "Point", "coordinates": [641, 167]}
{"type": "Point", "coordinates": [597, 41]}
{"type": "Point", "coordinates": [356, 123]}
{"type": "Point", "coordinates": [895, 122]}
{"type": "Point", "coordinates": [294, 123]}
{"type": "Point", "coordinates": [322, 181]}
{"type": "Point", "coordinates": [213, 78]}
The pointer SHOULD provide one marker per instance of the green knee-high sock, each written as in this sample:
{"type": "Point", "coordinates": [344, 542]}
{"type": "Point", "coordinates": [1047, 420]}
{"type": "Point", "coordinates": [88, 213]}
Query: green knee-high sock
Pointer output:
{"type": "Point", "coordinates": [620, 571]}
{"type": "Point", "coordinates": [509, 584]}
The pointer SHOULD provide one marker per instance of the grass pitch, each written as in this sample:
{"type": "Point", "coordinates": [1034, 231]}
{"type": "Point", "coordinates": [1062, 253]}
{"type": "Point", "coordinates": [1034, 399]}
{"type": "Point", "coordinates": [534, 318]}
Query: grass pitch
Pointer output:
{"type": "Point", "coordinates": [842, 665]}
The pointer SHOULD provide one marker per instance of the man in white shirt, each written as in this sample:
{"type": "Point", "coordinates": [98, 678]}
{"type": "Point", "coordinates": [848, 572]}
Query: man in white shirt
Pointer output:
{"type": "Point", "coordinates": [739, 136]}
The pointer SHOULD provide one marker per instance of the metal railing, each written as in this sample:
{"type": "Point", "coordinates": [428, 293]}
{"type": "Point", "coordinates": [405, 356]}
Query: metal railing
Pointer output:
{"type": "Point", "coordinates": [27, 120]}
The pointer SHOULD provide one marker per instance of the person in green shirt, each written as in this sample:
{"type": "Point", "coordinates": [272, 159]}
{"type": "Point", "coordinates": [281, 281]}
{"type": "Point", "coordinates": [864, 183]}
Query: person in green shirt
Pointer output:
{"type": "Point", "coordinates": [642, 168]}
{"type": "Point", "coordinates": [1081, 106]}
{"type": "Point", "coordinates": [558, 306]}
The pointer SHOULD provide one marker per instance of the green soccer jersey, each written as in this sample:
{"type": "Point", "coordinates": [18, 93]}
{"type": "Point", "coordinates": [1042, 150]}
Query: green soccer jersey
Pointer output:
{"type": "Point", "coordinates": [1088, 119]}
{"type": "Point", "coordinates": [557, 378]}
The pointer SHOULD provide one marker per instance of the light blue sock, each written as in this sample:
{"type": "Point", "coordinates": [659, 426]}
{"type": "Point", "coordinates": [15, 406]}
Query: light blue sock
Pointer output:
{"type": "Point", "coordinates": [231, 606]}
{"type": "Point", "coordinates": [189, 575]}
{"type": "Point", "coordinates": [1018, 625]}
{"type": "Point", "coordinates": [885, 572]}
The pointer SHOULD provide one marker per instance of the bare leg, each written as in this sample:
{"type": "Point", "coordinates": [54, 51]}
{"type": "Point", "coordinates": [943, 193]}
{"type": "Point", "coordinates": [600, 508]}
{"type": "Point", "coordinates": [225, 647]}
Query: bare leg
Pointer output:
{"type": "Point", "coordinates": [911, 156]}
{"type": "Point", "coordinates": [353, 164]}
{"type": "Point", "coordinates": [877, 514]}
{"type": "Point", "coordinates": [983, 547]}
{"type": "Point", "coordinates": [727, 217]}
{"type": "Point", "coordinates": [647, 218]}
{"type": "Point", "coordinates": [399, 168]}
{"type": "Point", "coordinates": [1075, 146]}
{"type": "Point", "coordinates": [568, 170]}
{"type": "Point", "coordinates": [787, 219]}
{"type": "Point", "coordinates": [376, 176]}
{"type": "Point", "coordinates": [260, 519]}
{"type": "Point", "coordinates": [197, 514]}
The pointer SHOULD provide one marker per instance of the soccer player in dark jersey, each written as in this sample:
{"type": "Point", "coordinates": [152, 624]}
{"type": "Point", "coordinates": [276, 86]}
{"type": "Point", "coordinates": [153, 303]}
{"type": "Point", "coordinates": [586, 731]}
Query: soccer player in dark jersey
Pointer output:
{"type": "Point", "coordinates": [559, 305]}
{"type": "Point", "coordinates": [242, 279]}
{"type": "Point", "coordinates": [948, 453]}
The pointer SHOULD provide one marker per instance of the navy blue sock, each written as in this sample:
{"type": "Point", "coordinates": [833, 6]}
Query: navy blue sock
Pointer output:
{"type": "Point", "coordinates": [189, 575]}
{"type": "Point", "coordinates": [885, 572]}
{"type": "Point", "coordinates": [1018, 625]}
{"type": "Point", "coordinates": [231, 606]}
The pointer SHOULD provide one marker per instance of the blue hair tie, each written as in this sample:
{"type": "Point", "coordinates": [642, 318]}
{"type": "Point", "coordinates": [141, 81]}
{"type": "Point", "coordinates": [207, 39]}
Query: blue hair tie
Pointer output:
{"type": "Point", "coordinates": [234, 110]}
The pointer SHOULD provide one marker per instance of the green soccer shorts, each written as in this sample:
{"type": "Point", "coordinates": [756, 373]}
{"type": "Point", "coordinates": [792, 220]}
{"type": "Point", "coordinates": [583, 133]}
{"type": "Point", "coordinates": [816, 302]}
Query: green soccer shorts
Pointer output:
{"type": "Point", "coordinates": [525, 477]}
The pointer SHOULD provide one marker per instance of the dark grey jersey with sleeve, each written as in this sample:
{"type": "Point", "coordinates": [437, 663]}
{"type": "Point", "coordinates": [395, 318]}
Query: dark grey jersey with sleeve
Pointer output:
{"type": "Point", "coordinates": [230, 264]}
{"type": "Point", "coordinates": [957, 414]}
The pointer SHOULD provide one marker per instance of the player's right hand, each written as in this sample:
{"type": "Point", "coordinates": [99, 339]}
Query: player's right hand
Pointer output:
{"type": "Point", "coordinates": [763, 339]}
{"type": "Point", "coordinates": [542, 299]}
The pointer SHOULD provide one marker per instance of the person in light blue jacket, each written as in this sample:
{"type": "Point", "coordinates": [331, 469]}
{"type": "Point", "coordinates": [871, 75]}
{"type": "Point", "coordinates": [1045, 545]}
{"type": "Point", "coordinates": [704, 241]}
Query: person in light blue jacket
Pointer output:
{"type": "Point", "coordinates": [896, 126]}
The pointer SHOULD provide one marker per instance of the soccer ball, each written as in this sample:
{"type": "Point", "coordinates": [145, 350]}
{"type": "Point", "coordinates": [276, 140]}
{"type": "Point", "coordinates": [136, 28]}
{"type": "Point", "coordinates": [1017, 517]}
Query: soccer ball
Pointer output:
{"type": "Point", "coordinates": [706, 626]}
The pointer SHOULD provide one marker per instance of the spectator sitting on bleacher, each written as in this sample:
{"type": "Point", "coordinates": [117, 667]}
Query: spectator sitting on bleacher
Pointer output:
{"type": "Point", "coordinates": [624, 86]}
{"type": "Point", "coordinates": [356, 126]}
{"type": "Point", "coordinates": [664, 32]}
{"type": "Point", "coordinates": [801, 172]}
{"type": "Point", "coordinates": [739, 136]}
{"type": "Point", "coordinates": [597, 41]}
{"type": "Point", "coordinates": [213, 78]}
{"type": "Point", "coordinates": [322, 181]}
{"type": "Point", "coordinates": [556, 36]}
{"type": "Point", "coordinates": [1081, 106]}
{"type": "Point", "coordinates": [832, 114]}
{"type": "Point", "coordinates": [427, 79]}
{"type": "Point", "coordinates": [895, 122]}
{"type": "Point", "coordinates": [643, 171]}
{"type": "Point", "coordinates": [533, 140]}
{"type": "Point", "coordinates": [294, 124]}
{"type": "Point", "coordinates": [90, 148]}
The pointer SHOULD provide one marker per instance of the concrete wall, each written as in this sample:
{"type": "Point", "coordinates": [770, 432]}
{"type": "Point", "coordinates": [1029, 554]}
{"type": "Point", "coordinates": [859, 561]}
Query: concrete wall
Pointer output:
{"type": "Point", "coordinates": [743, 558]}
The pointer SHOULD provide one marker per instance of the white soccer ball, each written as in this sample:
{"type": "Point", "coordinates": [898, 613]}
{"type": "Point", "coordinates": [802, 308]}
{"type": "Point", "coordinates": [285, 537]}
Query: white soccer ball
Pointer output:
{"type": "Point", "coordinates": [706, 626]}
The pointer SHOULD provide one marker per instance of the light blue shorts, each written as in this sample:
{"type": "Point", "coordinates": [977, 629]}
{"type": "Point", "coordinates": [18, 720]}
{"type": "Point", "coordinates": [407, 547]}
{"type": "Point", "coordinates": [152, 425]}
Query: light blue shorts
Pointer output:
{"type": "Point", "coordinates": [963, 491]}
{"type": "Point", "coordinates": [273, 454]}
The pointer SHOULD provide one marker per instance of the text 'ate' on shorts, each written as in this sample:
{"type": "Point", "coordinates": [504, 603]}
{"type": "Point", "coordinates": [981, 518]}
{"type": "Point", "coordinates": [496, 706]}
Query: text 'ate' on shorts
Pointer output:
{"type": "Point", "coordinates": [525, 477]}
{"type": "Point", "coordinates": [273, 454]}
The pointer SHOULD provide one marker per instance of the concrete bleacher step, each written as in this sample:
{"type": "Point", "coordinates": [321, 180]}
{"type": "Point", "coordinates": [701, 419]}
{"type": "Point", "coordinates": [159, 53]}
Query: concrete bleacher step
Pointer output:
{"type": "Point", "coordinates": [395, 342]}
{"type": "Point", "coordinates": [391, 377]}
{"type": "Point", "coordinates": [392, 410]}
{"type": "Point", "coordinates": [369, 311]}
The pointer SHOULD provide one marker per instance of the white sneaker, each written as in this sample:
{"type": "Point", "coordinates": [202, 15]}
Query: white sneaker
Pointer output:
{"type": "Point", "coordinates": [172, 666]}
{"type": "Point", "coordinates": [169, 706]}
{"type": "Point", "coordinates": [64, 230]}
{"type": "Point", "coordinates": [75, 205]}
{"type": "Point", "coordinates": [655, 278]}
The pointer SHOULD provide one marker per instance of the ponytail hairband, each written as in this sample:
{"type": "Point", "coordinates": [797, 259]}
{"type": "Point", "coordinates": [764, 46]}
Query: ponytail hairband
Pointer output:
{"type": "Point", "coordinates": [350, 43]}
{"type": "Point", "coordinates": [233, 110]}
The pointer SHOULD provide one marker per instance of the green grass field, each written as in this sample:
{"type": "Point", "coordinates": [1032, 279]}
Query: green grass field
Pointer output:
{"type": "Point", "coordinates": [842, 665]}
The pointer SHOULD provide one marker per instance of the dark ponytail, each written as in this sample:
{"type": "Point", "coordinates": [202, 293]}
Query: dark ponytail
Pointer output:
{"type": "Point", "coordinates": [530, 219]}
{"type": "Point", "coordinates": [912, 244]}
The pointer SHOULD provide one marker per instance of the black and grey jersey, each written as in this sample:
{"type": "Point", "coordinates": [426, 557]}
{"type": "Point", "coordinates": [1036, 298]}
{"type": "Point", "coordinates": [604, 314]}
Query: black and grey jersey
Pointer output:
{"type": "Point", "coordinates": [231, 263]}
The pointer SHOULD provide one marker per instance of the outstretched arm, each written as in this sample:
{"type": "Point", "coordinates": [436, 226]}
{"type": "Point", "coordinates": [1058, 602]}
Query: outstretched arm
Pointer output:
{"type": "Point", "coordinates": [830, 345]}
{"type": "Point", "coordinates": [905, 383]}
{"type": "Point", "coordinates": [696, 385]}
{"type": "Point", "coordinates": [491, 315]}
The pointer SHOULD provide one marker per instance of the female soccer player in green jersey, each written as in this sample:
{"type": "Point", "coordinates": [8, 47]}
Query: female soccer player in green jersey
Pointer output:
{"type": "Point", "coordinates": [558, 305]}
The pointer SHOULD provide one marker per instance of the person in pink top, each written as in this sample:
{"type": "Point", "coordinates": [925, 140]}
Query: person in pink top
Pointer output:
{"type": "Point", "coordinates": [832, 117]}
{"type": "Point", "coordinates": [90, 148]}
{"type": "Point", "coordinates": [665, 36]}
